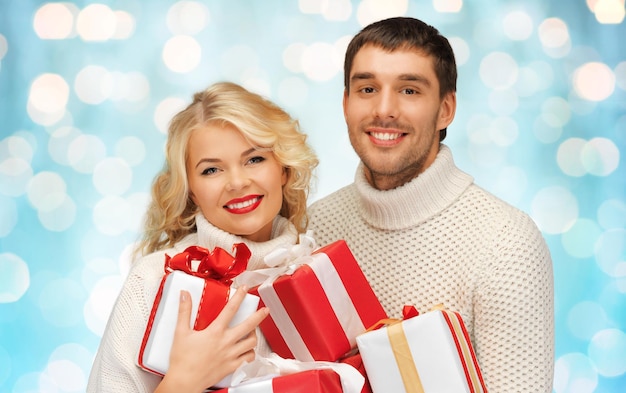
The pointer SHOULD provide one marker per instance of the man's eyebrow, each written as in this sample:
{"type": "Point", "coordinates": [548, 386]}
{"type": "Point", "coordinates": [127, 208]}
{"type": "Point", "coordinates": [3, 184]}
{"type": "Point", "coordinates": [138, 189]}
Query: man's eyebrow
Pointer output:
{"type": "Point", "coordinates": [361, 76]}
{"type": "Point", "coordinates": [414, 78]}
{"type": "Point", "coordinates": [403, 77]}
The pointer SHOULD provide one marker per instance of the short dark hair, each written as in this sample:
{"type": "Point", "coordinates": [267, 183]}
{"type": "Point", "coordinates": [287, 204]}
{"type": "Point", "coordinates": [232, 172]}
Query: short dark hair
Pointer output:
{"type": "Point", "coordinates": [407, 33]}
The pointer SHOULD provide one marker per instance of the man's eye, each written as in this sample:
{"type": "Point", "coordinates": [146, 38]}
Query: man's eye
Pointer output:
{"type": "Point", "coordinates": [209, 171]}
{"type": "Point", "coordinates": [409, 91]}
{"type": "Point", "coordinates": [256, 160]}
{"type": "Point", "coordinates": [367, 90]}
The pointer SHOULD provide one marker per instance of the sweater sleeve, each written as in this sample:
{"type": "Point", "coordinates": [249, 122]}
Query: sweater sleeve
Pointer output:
{"type": "Point", "coordinates": [115, 365]}
{"type": "Point", "coordinates": [514, 312]}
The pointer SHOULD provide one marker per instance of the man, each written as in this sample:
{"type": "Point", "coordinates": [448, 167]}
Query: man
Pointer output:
{"type": "Point", "coordinates": [422, 231]}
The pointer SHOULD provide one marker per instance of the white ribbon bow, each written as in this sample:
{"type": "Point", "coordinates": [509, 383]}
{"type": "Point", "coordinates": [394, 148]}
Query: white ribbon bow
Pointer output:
{"type": "Point", "coordinates": [281, 261]}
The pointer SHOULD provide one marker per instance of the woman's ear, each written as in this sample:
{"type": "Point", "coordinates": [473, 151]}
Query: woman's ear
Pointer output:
{"type": "Point", "coordinates": [192, 198]}
{"type": "Point", "coordinates": [284, 176]}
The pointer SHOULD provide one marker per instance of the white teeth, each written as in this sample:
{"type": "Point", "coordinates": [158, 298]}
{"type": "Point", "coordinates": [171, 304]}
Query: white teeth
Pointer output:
{"type": "Point", "coordinates": [385, 136]}
{"type": "Point", "coordinates": [242, 205]}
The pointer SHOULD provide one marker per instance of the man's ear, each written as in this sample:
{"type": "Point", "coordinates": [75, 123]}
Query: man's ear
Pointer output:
{"type": "Point", "coordinates": [345, 102]}
{"type": "Point", "coordinates": [447, 110]}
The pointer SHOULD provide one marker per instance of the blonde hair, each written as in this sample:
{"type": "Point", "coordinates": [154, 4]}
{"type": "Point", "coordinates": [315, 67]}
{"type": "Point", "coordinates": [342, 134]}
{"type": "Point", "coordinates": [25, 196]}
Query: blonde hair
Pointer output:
{"type": "Point", "coordinates": [171, 213]}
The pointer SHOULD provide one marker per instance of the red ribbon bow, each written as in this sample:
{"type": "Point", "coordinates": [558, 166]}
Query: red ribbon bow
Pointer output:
{"type": "Point", "coordinates": [408, 311]}
{"type": "Point", "coordinates": [217, 265]}
{"type": "Point", "coordinates": [217, 268]}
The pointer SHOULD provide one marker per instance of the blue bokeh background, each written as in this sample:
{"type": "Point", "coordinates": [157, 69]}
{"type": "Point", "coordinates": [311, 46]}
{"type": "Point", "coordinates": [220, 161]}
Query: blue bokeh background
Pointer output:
{"type": "Point", "coordinates": [87, 88]}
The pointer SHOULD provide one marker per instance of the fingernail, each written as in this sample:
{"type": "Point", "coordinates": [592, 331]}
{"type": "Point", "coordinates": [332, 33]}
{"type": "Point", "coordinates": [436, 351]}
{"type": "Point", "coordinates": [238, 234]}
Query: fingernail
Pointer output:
{"type": "Point", "coordinates": [183, 296]}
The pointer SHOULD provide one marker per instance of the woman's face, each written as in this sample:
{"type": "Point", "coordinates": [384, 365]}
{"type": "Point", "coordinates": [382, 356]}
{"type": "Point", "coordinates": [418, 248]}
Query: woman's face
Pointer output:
{"type": "Point", "coordinates": [237, 187]}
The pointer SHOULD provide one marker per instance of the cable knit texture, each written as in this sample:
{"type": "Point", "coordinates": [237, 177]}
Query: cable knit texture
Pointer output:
{"type": "Point", "coordinates": [442, 239]}
{"type": "Point", "coordinates": [115, 366]}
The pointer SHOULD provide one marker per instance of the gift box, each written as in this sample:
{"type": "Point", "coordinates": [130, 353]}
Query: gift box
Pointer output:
{"type": "Point", "coordinates": [318, 309]}
{"type": "Point", "coordinates": [356, 361]}
{"type": "Point", "coordinates": [431, 352]}
{"type": "Point", "coordinates": [310, 381]}
{"type": "Point", "coordinates": [207, 276]}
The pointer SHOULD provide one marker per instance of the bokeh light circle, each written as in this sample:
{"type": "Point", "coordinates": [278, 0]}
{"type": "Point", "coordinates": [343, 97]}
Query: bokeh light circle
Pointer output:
{"type": "Point", "coordinates": [112, 176]}
{"type": "Point", "coordinates": [85, 152]}
{"type": "Point", "coordinates": [554, 209]}
{"type": "Point", "coordinates": [60, 218]}
{"type": "Point", "coordinates": [131, 149]}
{"type": "Point", "coordinates": [585, 319]}
{"type": "Point", "coordinates": [15, 173]}
{"type": "Point", "coordinates": [600, 156]}
{"type": "Point", "coordinates": [96, 22]}
{"type": "Point", "coordinates": [49, 93]}
{"type": "Point", "coordinates": [517, 25]}
{"type": "Point", "coordinates": [165, 111]}
{"type": "Point", "coordinates": [568, 157]}
{"type": "Point", "coordinates": [498, 70]}
{"type": "Point", "coordinates": [612, 214]}
{"type": "Point", "coordinates": [369, 11]}
{"type": "Point", "coordinates": [110, 215]}
{"type": "Point", "coordinates": [594, 81]}
{"type": "Point", "coordinates": [187, 17]}
{"type": "Point", "coordinates": [47, 191]}
{"type": "Point", "coordinates": [54, 21]}
{"type": "Point", "coordinates": [182, 53]}
{"type": "Point", "coordinates": [555, 37]}
{"type": "Point", "coordinates": [606, 350]}
{"type": "Point", "coordinates": [100, 302]}
{"type": "Point", "coordinates": [14, 277]}
{"type": "Point", "coordinates": [611, 251]}
{"type": "Point", "coordinates": [574, 373]}
{"type": "Point", "coordinates": [93, 84]}
{"type": "Point", "coordinates": [315, 62]}
{"type": "Point", "coordinates": [8, 215]}
{"type": "Point", "coordinates": [17, 147]}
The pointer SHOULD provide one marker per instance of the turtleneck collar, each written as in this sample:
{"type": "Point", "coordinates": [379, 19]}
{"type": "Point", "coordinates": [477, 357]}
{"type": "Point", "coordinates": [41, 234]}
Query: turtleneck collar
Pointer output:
{"type": "Point", "coordinates": [412, 203]}
{"type": "Point", "coordinates": [283, 234]}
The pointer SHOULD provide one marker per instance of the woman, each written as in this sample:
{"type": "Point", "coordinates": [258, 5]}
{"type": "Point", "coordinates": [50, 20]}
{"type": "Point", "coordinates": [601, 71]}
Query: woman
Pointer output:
{"type": "Point", "coordinates": [237, 169]}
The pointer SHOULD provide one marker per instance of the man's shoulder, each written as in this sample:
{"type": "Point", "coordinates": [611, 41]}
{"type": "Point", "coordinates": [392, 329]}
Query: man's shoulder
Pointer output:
{"type": "Point", "coordinates": [336, 198]}
{"type": "Point", "coordinates": [498, 211]}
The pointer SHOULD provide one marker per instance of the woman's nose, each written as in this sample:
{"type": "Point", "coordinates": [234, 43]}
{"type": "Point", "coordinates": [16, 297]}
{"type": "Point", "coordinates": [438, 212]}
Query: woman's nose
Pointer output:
{"type": "Point", "coordinates": [237, 179]}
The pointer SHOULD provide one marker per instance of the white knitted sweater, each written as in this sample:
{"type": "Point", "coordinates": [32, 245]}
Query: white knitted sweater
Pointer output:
{"type": "Point", "coordinates": [442, 239]}
{"type": "Point", "coordinates": [114, 368]}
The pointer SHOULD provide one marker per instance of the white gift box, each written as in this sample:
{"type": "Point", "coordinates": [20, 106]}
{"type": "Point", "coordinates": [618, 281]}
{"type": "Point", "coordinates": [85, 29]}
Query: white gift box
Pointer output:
{"type": "Point", "coordinates": [154, 353]}
{"type": "Point", "coordinates": [431, 352]}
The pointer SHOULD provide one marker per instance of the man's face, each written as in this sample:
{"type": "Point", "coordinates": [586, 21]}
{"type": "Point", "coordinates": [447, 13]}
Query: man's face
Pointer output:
{"type": "Point", "coordinates": [394, 113]}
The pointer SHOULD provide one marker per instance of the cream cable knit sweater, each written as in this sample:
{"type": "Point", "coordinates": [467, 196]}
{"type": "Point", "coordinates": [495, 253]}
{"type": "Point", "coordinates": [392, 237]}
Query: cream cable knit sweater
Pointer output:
{"type": "Point", "coordinates": [114, 368]}
{"type": "Point", "coordinates": [442, 239]}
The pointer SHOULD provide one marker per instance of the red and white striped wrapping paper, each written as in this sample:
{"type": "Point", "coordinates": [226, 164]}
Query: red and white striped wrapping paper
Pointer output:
{"type": "Point", "coordinates": [317, 311]}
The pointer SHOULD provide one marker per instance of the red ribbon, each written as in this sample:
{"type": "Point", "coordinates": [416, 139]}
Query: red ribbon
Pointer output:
{"type": "Point", "coordinates": [407, 312]}
{"type": "Point", "coordinates": [217, 265]}
{"type": "Point", "coordinates": [217, 268]}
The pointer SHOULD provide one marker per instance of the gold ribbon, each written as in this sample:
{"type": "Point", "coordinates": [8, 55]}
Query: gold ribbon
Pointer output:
{"type": "Point", "coordinates": [404, 359]}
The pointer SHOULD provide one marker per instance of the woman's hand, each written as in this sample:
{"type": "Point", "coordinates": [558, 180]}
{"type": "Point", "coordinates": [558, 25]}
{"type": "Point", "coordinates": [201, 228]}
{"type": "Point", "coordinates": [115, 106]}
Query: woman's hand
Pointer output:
{"type": "Point", "coordinates": [200, 359]}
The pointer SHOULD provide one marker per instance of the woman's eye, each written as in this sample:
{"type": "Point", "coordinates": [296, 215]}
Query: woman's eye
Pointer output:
{"type": "Point", "coordinates": [209, 171]}
{"type": "Point", "coordinates": [256, 160]}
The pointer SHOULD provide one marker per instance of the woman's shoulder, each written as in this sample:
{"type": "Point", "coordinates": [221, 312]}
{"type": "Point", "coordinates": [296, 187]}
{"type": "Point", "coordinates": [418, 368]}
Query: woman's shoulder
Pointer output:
{"type": "Point", "coordinates": [153, 264]}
